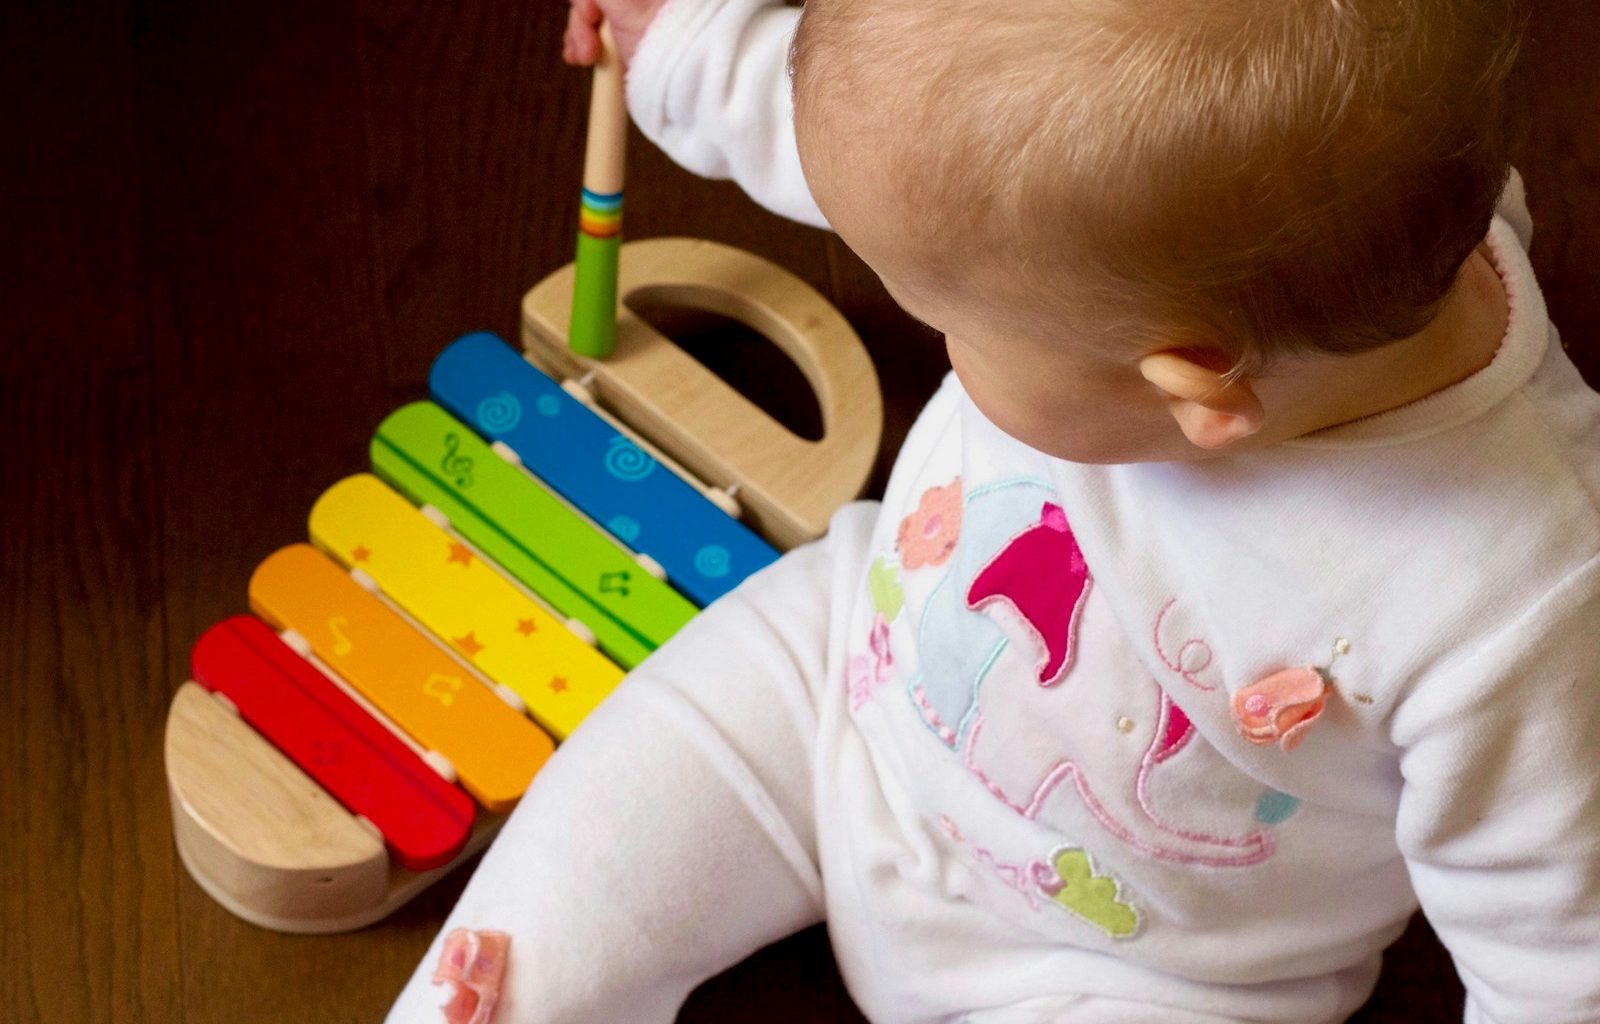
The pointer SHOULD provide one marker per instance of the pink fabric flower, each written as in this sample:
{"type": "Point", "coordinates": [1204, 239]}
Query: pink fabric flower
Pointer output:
{"type": "Point", "coordinates": [867, 672]}
{"type": "Point", "coordinates": [475, 963]}
{"type": "Point", "coordinates": [1281, 707]}
{"type": "Point", "coordinates": [928, 535]}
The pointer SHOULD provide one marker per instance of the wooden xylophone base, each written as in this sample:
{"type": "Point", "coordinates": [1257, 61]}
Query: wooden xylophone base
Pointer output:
{"type": "Point", "coordinates": [289, 901]}
{"type": "Point", "coordinates": [261, 838]}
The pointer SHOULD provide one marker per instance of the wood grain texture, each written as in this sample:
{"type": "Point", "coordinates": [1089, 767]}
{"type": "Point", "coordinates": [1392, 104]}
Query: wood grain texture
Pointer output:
{"type": "Point", "coordinates": [88, 928]}
{"type": "Point", "coordinates": [235, 237]}
{"type": "Point", "coordinates": [88, 923]}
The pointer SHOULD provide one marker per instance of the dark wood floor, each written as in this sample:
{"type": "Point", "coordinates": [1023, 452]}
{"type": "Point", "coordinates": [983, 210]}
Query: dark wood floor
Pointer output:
{"type": "Point", "coordinates": [234, 237]}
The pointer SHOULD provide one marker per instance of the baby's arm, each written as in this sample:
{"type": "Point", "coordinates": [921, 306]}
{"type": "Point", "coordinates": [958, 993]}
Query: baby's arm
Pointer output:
{"type": "Point", "coordinates": [708, 82]}
{"type": "Point", "coordinates": [673, 833]}
{"type": "Point", "coordinates": [1500, 813]}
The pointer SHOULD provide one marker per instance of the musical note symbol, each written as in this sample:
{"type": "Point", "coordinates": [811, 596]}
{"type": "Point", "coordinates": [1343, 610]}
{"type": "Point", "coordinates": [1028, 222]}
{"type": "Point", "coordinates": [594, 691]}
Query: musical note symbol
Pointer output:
{"type": "Point", "coordinates": [614, 583]}
{"type": "Point", "coordinates": [341, 643]}
{"type": "Point", "coordinates": [442, 688]}
{"type": "Point", "coordinates": [457, 467]}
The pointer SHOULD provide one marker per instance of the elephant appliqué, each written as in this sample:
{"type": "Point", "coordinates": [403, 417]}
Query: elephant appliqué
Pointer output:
{"type": "Point", "coordinates": [1002, 682]}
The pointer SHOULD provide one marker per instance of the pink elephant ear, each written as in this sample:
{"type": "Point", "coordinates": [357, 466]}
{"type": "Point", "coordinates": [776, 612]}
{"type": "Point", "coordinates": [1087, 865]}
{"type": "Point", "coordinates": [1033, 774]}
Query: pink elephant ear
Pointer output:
{"type": "Point", "coordinates": [1042, 574]}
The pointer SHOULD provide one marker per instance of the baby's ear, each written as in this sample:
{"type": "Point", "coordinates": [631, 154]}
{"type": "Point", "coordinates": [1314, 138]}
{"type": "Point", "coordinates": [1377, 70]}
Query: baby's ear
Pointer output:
{"type": "Point", "coordinates": [1212, 409]}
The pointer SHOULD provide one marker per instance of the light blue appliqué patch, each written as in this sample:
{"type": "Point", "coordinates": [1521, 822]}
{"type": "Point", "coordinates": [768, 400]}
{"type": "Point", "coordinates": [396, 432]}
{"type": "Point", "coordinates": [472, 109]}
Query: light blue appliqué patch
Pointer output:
{"type": "Point", "coordinates": [1275, 807]}
{"type": "Point", "coordinates": [959, 645]}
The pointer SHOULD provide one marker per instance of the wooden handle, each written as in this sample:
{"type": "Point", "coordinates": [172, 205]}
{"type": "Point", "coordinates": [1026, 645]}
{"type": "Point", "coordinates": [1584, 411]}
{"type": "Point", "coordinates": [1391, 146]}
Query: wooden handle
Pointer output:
{"type": "Point", "coordinates": [607, 150]}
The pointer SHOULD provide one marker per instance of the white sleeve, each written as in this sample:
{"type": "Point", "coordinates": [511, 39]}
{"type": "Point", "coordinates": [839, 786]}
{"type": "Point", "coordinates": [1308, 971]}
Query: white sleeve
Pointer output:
{"type": "Point", "coordinates": [1499, 814]}
{"type": "Point", "coordinates": [710, 86]}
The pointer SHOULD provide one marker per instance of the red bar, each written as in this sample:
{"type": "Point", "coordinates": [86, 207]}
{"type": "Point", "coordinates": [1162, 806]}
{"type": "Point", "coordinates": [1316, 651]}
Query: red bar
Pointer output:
{"type": "Point", "coordinates": [424, 820]}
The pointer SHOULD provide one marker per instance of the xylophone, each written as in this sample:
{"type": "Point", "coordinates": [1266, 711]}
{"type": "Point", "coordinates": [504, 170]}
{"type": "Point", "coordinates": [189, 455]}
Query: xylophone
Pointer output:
{"type": "Point", "coordinates": [516, 548]}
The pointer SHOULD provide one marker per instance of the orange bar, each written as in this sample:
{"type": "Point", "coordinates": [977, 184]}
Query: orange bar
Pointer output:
{"type": "Point", "coordinates": [432, 697]}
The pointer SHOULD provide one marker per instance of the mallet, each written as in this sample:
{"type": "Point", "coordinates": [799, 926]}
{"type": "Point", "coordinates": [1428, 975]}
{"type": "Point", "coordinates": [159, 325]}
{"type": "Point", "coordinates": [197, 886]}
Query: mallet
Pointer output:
{"type": "Point", "coordinates": [593, 329]}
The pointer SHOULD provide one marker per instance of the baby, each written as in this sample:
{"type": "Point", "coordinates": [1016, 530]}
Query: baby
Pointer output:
{"type": "Point", "coordinates": [1237, 593]}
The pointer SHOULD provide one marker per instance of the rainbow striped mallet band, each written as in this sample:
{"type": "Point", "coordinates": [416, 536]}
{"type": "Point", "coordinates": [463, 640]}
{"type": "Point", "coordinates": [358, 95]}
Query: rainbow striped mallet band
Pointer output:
{"type": "Point", "coordinates": [593, 328]}
{"type": "Point", "coordinates": [600, 216]}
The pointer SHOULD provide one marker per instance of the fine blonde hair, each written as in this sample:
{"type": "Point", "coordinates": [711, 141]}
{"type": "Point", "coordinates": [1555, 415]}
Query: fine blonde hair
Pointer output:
{"type": "Point", "coordinates": [1275, 176]}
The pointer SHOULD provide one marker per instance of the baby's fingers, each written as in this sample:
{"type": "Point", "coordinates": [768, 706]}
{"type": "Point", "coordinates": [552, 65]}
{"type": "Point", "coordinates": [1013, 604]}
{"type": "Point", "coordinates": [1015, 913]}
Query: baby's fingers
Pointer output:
{"type": "Point", "coordinates": [581, 45]}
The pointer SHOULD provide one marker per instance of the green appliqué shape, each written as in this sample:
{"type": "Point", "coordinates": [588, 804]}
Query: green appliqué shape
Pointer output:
{"type": "Point", "coordinates": [887, 595]}
{"type": "Point", "coordinates": [1092, 897]}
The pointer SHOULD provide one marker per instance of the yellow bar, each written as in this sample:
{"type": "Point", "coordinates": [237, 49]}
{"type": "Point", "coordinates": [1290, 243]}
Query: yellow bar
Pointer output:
{"type": "Point", "coordinates": [494, 750]}
{"type": "Point", "coordinates": [467, 604]}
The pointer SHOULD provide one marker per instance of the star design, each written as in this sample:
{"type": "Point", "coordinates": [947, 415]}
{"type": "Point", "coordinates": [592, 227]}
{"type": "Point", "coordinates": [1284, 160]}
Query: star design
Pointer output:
{"type": "Point", "coordinates": [459, 552]}
{"type": "Point", "coordinates": [526, 627]}
{"type": "Point", "coordinates": [469, 644]}
{"type": "Point", "coordinates": [361, 553]}
{"type": "Point", "coordinates": [558, 685]}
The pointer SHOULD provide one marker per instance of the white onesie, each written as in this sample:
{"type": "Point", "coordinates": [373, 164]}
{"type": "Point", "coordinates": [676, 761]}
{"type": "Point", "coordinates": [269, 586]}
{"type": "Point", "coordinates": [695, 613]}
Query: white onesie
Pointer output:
{"type": "Point", "coordinates": [1099, 744]}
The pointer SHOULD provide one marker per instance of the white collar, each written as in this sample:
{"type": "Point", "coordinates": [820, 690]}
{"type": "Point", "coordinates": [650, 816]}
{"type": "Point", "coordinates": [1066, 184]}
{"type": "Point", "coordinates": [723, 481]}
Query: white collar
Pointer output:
{"type": "Point", "coordinates": [1520, 353]}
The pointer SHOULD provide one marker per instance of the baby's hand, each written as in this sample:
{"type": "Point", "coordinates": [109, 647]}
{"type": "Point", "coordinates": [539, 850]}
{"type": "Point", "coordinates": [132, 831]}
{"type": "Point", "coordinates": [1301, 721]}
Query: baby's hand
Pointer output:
{"type": "Point", "coordinates": [628, 18]}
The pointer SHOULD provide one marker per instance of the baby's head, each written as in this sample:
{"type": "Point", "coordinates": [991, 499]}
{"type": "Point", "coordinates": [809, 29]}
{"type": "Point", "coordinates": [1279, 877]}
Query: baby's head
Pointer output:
{"type": "Point", "coordinates": [1066, 188]}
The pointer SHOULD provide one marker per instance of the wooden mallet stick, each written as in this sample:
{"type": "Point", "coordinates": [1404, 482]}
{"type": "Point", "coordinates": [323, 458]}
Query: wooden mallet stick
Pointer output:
{"type": "Point", "coordinates": [593, 329]}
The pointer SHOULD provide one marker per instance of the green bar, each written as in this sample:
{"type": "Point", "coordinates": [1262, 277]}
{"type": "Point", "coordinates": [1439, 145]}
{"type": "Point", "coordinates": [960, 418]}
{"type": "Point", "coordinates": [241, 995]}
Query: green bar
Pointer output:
{"type": "Point", "coordinates": [434, 459]}
{"type": "Point", "coordinates": [593, 329]}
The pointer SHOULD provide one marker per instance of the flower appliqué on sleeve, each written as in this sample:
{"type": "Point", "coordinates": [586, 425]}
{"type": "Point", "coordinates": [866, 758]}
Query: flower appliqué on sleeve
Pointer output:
{"type": "Point", "coordinates": [867, 672]}
{"type": "Point", "coordinates": [1282, 707]}
{"type": "Point", "coordinates": [928, 535]}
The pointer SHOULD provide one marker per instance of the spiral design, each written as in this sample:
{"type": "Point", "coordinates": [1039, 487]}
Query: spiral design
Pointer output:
{"type": "Point", "coordinates": [500, 413]}
{"type": "Point", "coordinates": [712, 561]}
{"type": "Point", "coordinates": [627, 461]}
{"type": "Point", "coordinates": [624, 528]}
{"type": "Point", "coordinates": [548, 405]}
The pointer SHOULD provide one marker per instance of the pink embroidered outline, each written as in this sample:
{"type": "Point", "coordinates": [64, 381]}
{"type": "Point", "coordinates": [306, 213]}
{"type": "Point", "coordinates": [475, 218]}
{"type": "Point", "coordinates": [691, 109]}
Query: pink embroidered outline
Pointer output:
{"type": "Point", "coordinates": [1038, 877]}
{"type": "Point", "coordinates": [1186, 674]}
{"type": "Point", "coordinates": [931, 717]}
{"type": "Point", "coordinates": [1255, 847]}
{"type": "Point", "coordinates": [1162, 748]}
{"type": "Point", "coordinates": [1016, 876]}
